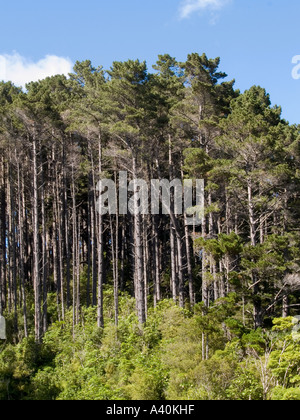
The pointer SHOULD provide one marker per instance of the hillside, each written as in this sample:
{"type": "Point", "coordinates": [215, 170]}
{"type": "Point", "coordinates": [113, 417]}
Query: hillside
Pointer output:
{"type": "Point", "coordinates": [105, 298]}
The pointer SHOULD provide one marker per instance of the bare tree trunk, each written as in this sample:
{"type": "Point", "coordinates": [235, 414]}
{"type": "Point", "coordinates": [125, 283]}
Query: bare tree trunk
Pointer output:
{"type": "Point", "coordinates": [210, 218]}
{"type": "Point", "coordinates": [21, 246]}
{"type": "Point", "coordinates": [174, 285]}
{"type": "Point", "coordinates": [100, 316]}
{"type": "Point", "coordinates": [205, 294]}
{"type": "Point", "coordinates": [94, 229]}
{"type": "Point", "coordinates": [222, 282]}
{"type": "Point", "coordinates": [156, 285]}
{"type": "Point", "coordinates": [44, 259]}
{"type": "Point", "coordinates": [189, 263]}
{"type": "Point", "coordinates": [60, 247]}
{"type": "Point", "coordinates": [174, 282]}
{"type": "Point", "coordinates": [3, 262]}
{"type": "Point", "coordinates": [75, 243]}
{"type": "Point", "coordinates": [146, 263]}
{"type": "Point", "coordinates": [94, 253]}
{"type": "Point", "coordinates": [55, 253]}
{"type": "Point", "coordinates": [12, 247]}
{"type": "Point", "coordinates": [90, 232]}
{"type": "Point", "coordinates": [251, 214]}
{"type": "Point", "coordinates": [285, 307]}
{"type": "Point", "coordinates": [122, 285]}
{"type": "Point", "coordinates": [36, 248]}
{"type": "Point", "coordinates": [114, 250]}
{"type": "Point", "coordinates": [180, 271]}
{"type": "Point", "coordinates": [257, 309]}
{"type": "Point", "coordinates": [9, 241]}
{"type": "Point", "coordinates": [78, 249]}
{"type": "Point", "coordinates": [140, 286]}
{"type": "Point", "coordinates": [66, 228]}
{"type": "Point", "coordinates": [116, 284]}
{"type": "Point", "coordinates": [180, 267]}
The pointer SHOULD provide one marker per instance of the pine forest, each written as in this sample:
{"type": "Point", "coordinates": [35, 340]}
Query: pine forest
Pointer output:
{"type": "Point", "coordinates": [146, 306]}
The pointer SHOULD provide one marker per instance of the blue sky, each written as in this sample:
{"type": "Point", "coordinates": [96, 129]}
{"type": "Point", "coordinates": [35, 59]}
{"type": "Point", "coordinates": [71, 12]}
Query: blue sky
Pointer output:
{"type": "Point", "coordinates": [256, 39]}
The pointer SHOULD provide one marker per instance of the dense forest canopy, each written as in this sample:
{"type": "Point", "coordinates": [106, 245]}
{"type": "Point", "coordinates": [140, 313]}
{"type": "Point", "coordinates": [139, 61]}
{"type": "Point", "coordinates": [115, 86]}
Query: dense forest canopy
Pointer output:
{"type": "Point", "coordinates": [116, 293]}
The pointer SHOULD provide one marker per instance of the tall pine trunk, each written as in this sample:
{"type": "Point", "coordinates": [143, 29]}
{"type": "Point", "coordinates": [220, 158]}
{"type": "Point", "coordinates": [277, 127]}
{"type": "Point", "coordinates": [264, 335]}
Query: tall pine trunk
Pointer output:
{"type": "Point", "coordinates": [21, 245]}
{"type": "Point", "coordinates": [257, 308]}
{"type": "Point", "coordinates": [100, 315]}
{"type": "Point", "coordinates": [36, 247]}
{"type": "Point", "coordinates": [138, 251]}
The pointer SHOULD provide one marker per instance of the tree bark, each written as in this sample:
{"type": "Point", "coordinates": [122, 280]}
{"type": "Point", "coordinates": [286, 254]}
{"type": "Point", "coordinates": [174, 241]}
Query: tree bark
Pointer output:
{"type": "Point", "coordinates": [21, 246]}
{"type": "Point", "coordinates": [100, 315]}
{"type": "Point", "coordinates": [3, 261]}
{"type": "Point", "coordinates": [257, 308]}
{"type": "Point", "coordinates": [174, 283]}
{"type": "Point", "coordinates": [138, 241]}
{"type": "Point", "coordinates": [36, 248]}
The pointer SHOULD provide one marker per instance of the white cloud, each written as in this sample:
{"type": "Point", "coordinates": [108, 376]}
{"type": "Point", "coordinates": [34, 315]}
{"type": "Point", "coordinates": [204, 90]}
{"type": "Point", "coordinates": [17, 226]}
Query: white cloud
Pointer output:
{"type": "Point", "coordinates": [20, 70]}
{"type": "Point", "coordinates": [188, 7]}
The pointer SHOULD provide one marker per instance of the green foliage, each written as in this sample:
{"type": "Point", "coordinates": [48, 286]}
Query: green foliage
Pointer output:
{"type": "Point", "coordinates": [282, 394]}
{"type": "Point", "coordinates": [160, 361]}
{"type": "Point", "coordinates": [18, 366]}
{"type": "Point", "coordinates": [285, 359]}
